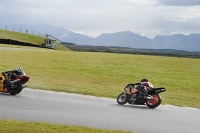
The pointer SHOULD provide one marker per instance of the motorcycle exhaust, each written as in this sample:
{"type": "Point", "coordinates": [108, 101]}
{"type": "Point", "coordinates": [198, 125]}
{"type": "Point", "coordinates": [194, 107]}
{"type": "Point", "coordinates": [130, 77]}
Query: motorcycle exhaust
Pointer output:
{"type": "Point", "coordinates": [15, 81]}
{"type": "Point", "coordinates": [150, 98]}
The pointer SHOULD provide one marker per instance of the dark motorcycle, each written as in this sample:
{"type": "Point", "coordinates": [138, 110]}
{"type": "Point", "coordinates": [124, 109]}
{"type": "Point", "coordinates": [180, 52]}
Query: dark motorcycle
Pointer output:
{"type": "Point", "coordinates": [13, 81]}
{"type": "Point", "coordinates": [138, 98]}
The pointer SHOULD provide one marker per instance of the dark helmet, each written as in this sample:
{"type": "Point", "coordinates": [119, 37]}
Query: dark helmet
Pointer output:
{"type": "Point", "coordinates": [144, 80]}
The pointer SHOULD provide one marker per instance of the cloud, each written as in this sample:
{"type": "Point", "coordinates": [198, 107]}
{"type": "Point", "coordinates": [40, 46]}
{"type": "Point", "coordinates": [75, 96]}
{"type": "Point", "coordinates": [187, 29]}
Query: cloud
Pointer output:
{"type": "Point", "coordinates": [179, 2]}
{"type": "Point", "coordinates": [139, 1]}
{"type": "Point", "coordinates": [171, 26]}
{"type": "Point", "coordinates": [93, 17]}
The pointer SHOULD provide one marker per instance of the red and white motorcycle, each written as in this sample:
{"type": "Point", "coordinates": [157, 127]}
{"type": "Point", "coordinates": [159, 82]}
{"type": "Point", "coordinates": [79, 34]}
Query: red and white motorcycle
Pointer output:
{"type": "Point", "coordinates": [138, 98]}
{"type": "Point", "coordinates": [13, 81]}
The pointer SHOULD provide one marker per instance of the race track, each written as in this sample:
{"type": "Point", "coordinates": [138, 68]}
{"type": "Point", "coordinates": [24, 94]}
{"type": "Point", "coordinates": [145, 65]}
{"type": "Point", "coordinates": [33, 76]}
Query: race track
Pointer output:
{"type": "Point", "coordinates": [74, 109]}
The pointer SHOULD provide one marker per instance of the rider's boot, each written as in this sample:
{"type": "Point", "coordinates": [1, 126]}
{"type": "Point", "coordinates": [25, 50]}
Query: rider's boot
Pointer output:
{"type": "Point", "coordinates": [147, 96]}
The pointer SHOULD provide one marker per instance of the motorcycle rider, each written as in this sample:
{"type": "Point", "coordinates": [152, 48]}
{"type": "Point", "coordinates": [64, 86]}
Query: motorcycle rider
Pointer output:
{"type": "Point", "coordinates": [14, 73]}
{"type": "Point", "coordinates": [143, 86]}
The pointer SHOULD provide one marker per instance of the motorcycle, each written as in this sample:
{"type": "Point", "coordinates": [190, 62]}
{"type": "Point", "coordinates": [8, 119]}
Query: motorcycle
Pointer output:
{"type": "Point", "coordinates": [137, 98]}
{"type": "Point", "coordinates": [13, 81]}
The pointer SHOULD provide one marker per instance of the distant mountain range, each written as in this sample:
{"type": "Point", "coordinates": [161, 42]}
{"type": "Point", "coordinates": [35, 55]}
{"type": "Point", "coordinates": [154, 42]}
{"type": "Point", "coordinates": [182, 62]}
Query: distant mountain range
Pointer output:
{"type": "Point", "coordinates": [122, 39]}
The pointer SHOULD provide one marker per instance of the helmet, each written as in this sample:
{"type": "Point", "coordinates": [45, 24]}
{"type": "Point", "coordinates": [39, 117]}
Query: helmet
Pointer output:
{"type": "Point", "coordinates": [19, 71]}
{"type": "Point", "coordinates": [144, 80]}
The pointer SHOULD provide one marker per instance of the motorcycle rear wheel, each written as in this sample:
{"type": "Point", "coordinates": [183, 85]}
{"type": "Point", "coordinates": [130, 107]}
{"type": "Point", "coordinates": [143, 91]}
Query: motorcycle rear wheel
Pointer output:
{"type": "Point", "coordinates": [155, 103]}
{"type": "Point", "coordinates": [15, 88]}
{"type": "Point", "coordinates": [122, 98]}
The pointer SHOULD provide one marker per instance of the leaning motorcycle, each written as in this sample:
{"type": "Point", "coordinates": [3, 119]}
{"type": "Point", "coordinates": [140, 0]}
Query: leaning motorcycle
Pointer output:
{"type": "Point", "coordinates": [138, 99]}
{"type": "Point", "coordinates": [13, 81]}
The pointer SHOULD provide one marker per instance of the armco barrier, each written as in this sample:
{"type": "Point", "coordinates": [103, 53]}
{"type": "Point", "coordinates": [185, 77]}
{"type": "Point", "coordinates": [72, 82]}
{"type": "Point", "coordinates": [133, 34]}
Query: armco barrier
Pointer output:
{"type": "Point", "coordinates": [16, 42]}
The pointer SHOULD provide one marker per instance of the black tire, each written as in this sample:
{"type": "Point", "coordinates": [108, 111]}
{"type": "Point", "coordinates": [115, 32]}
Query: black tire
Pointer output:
{"type": "Point", "coordinates": [16, 88]}
{"type": "Point", "coordinates": [122, 98]}
{"type": "Point", "coordinates": [155, 103]}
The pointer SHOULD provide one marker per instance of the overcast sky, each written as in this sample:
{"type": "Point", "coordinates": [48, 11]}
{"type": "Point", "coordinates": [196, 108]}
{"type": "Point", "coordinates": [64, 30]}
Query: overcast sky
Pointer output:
{"type": "Point", "coordinates": [94, 17]}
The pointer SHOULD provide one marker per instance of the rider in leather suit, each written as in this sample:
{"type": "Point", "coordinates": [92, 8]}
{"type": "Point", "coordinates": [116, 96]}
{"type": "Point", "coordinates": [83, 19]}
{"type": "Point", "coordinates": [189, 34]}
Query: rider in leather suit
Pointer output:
{"type": "Point", "coordinates": [143, 86]}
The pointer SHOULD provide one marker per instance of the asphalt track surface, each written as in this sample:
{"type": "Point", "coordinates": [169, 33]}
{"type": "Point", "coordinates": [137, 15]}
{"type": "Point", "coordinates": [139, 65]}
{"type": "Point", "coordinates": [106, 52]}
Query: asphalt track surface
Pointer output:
{"type": "Point", "coordinates": [104, 113]}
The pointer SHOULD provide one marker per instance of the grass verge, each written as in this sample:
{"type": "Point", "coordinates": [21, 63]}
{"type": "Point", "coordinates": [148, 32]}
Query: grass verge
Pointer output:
{"type": "Point", "coordinates": [10, 126]}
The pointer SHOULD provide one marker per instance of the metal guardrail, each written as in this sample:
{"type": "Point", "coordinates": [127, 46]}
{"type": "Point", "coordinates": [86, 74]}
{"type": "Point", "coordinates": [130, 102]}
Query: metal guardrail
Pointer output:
{"type": "Point", "coordinates": [16, 42]}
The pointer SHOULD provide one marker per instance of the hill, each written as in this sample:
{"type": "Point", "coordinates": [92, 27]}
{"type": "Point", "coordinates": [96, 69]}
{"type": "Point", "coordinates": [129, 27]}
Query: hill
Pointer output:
{"type": "Point", "coordinates": [178, 41]}
{"type": "Point", "coordinates": [116, 37]}
{"type": "Point", "coordinates": [27, 38]}
{"type": "Point", "coordinates": [21, 37]}
{"type": "Point", "coordinates": [122, 39]}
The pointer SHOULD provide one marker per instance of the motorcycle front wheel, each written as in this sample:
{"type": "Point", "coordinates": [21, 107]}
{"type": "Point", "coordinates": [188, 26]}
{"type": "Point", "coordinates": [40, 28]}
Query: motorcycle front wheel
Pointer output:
{"type": "Point", "coordinates": [155, 102]}
{"type": "Point", "coordinates": [15, 88]}
{"type": "Point", "coordinates": [122, 98]}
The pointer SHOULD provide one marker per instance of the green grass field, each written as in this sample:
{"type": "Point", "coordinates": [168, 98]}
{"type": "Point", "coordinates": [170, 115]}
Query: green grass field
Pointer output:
{"type": "Point", "coordinates": [106, 74]}
{"type": "Point", "coordinates": [33, 127]}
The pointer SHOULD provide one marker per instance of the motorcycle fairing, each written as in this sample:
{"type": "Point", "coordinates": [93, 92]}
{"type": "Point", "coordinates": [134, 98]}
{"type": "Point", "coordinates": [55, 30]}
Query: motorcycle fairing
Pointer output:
{"type": "Point", "coordinates": [156, 90]}
{"type": "Point", "coordinates": [1, 83]}
{"type": "Point", "coordinates": [23, 79]}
